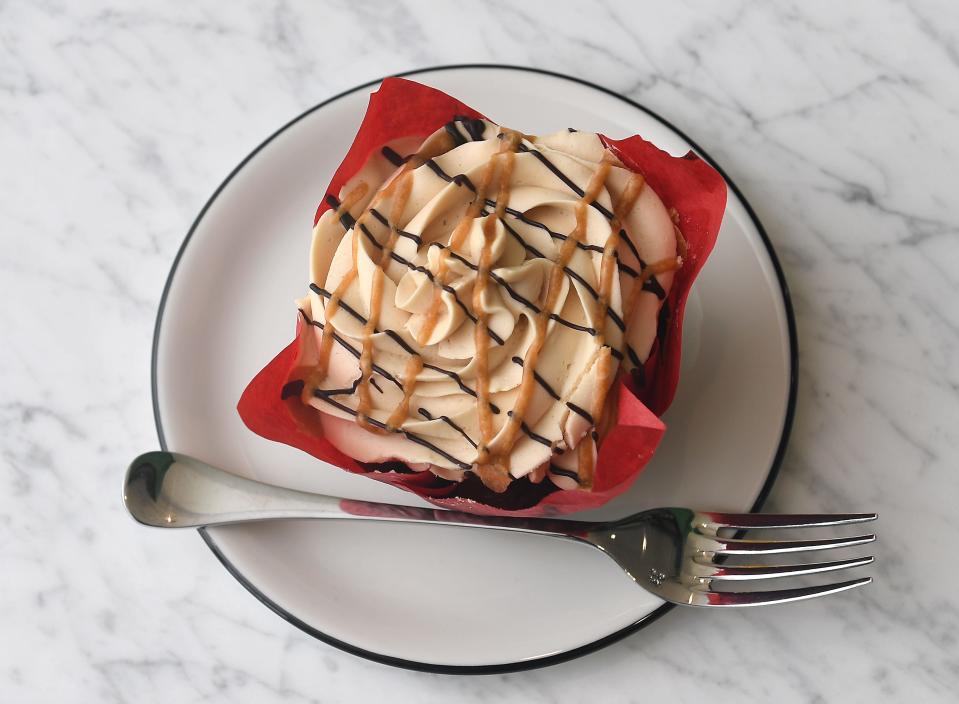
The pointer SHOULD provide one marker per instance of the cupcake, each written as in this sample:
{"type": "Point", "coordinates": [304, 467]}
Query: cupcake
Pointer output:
{"type": "Point", "coordinates": [492, 318]}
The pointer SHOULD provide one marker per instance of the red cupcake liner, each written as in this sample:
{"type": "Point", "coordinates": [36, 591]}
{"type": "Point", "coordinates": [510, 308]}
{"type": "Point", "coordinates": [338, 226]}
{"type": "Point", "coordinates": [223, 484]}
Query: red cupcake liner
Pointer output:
{"type": "Point", "coordinates": [687, 185]}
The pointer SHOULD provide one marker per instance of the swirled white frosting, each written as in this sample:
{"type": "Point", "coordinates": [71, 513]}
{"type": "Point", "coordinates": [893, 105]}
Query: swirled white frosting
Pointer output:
{"type": "Point", "coordinates": [441, 430]}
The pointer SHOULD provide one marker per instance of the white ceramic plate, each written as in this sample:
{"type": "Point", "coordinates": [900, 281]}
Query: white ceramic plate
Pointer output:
{"type": "Point", "coordinates": [434, 598]}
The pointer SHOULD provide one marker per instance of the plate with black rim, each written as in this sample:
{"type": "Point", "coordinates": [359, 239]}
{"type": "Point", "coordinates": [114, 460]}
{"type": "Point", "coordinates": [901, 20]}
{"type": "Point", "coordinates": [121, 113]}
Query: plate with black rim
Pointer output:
{"type": "Point", "coordinates": [440, 598]}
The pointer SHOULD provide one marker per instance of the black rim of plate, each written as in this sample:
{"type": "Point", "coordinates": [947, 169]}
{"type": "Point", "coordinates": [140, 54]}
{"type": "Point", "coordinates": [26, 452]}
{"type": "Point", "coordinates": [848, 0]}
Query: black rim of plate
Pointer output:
{"type": "Point", "coordinates": [557, 657]}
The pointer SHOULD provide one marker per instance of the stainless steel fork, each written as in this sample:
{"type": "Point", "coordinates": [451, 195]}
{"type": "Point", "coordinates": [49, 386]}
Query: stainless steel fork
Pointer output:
{"type": "Point", "coordinates": [678, 554]}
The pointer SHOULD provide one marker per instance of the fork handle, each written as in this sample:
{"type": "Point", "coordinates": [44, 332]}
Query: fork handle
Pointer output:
{"type": "Point", "coordinates": [172, 490]}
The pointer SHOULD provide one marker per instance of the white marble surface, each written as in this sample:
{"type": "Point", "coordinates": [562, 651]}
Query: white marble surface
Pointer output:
{"type": "Point", "coordinates": [117, 120]}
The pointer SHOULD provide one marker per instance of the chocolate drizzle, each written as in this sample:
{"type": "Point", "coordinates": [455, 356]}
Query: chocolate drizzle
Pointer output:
{"type": "Point", "coordinates": [409, 436]}
{"type": "Point", "coordinates": [345, 306]}
{"type": "Point", "coordinates": [563, 472]}
{"type": "Point", "coordinates": [574, 326]}
{"type": "Point", "coordinates": [450, 422]}
{"type": "Point", "coordinates": [292, 388]}
{"type": "Point", "coordinates": [402, 233]}
{"type": "Point", "coordinates": [456, 255]}
{"type": "Point", "coordinates": [437, 169]}
{"type": "Point", "coordinates": [393, 157]}
{"type": "Point", "coordinates": [464, 180]}
{"type": "Point", "coordinates": [578, 410]}
{"type": "Point", "coordinates": [454, 133]}
{"type": "Point", "coordinates": [474, 127]}
{"type": "Point", "coordinates": [540, 157]}
{"type": "Point", "coordinates": [346, 391]}
{"type": "Point", "coordinates": [459, 382]}
{"type": "Point", "coordinates": [542, 382]}
{"type": "Point", "coordinates": [534, 436]}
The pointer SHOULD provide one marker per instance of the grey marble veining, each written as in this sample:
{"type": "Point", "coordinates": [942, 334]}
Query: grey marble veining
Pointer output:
{"type": "Point", "coordinates": [117, 120]}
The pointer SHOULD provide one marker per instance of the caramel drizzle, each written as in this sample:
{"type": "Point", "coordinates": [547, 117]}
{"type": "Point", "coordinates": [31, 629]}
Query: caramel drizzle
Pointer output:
{"type": "Point", "coordinates": [500, 462]}
{"type": "Point", "coordinates": [603, 360]}
{"type": "Point", "coordinates": [326, 344]}
{"type": "Point", "coordinates": [505, 156]}
{"type": "Point", "coordinates": [400, 190]}
{"type": "Point", "coordinates": [608, 266]}
{"type": "Point", "coordinates": [414, 366]}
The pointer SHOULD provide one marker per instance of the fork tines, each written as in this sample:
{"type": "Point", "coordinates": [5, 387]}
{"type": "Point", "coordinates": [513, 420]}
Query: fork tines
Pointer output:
{"type": "Point", "coordinates": [707, 556]}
